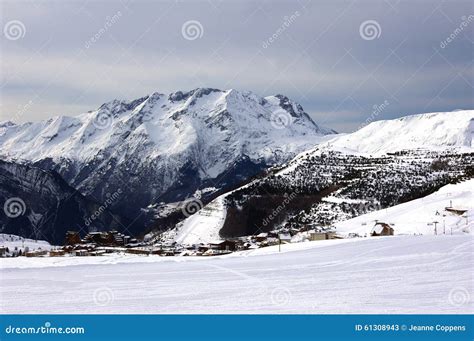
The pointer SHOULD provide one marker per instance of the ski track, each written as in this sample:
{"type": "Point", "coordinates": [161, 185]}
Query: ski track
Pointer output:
{"type": "Point", "coordinates": [404, 274]}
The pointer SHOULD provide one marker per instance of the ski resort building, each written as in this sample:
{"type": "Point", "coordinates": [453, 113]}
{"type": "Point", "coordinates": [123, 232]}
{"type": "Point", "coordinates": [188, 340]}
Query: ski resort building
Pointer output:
{"type": "Point", "coordinates": [382, 229]}
{"type": "Point", "coordinates": [317, 235]}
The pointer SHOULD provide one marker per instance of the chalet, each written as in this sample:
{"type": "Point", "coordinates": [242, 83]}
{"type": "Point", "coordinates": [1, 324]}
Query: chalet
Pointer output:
{"type": "Point", "coordinates": [321, 235]}
{"type": "Point", "coordinates": [226, 245]}
{"type": "Point", "coordinates": [3, 251]}
{"type": "Point", "coordinates": [382, 229]}
{"type": "Point", "coordinates": [314, 235]}
{"type": "Point", "coordinates": [457, 211]}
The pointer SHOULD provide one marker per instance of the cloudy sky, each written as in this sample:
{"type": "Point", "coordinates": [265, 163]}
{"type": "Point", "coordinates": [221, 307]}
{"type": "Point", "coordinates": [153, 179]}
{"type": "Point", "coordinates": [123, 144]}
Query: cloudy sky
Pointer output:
{"type": "Point", "coordinates": [344, 61]}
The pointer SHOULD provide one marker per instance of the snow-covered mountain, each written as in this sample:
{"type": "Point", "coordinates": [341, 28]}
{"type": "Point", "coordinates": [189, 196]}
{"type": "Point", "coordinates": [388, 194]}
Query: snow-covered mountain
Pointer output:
{"type": "Point", "coordinates": [382, 165]}
{"type": "Point", "coordinates": [434, 131]}
{"type": "Point", "coordinates": [162, 148]}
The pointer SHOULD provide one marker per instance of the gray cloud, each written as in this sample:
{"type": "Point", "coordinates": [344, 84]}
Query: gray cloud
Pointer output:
{"type": "Point", "coordinates": [76, 55]}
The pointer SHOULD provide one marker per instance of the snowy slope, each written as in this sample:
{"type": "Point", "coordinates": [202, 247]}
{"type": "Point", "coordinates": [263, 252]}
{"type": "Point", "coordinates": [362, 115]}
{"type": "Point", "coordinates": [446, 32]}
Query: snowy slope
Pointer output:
{"type": "Point", "coordinates": [414, 216]}
{"type": "Point", "coordinates": [12, 241]}
{"type": "Point", "coordinates": [165, 147]}
{"type": "Point", "coordinates": [201, 227]}
{"type": "Point", "coordinates": [449, 131]}
{"type": "Point", "coordinates": [401, 274]}
{"type": "Point", "coordinates": [454, 130]}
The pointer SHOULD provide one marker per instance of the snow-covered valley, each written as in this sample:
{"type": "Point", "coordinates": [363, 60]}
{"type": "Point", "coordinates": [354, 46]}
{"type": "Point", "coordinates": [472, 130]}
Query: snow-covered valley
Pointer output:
{"type": "Point", "coordinates": [405, 274]}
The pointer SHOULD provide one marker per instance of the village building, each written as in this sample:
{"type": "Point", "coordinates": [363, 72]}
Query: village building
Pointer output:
{"type": "Point", "coordinates": [323, 235]}
{"type": "Point", "coordinates": [226, 245]}
{"type": "Point", "coordinates": [382, 229]}
{"type": "Point", "coordinates": [36, 253]}
{"type": "Point", "coordinates": [57, 253]}
{"type": "Point", "coordinates": [457, 211]}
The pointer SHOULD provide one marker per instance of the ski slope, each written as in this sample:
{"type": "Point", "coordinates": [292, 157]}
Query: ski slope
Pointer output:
{"type": "Point", "coordinates": [417, 216]}
{"type": "Point", "coordinates": [201, 227]}
{"type": "Point", "coordinates": [400, 274]}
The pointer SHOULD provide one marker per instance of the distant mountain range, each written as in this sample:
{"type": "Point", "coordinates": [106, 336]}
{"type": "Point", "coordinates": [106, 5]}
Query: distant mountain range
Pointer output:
{"type": "Point", "coordinates": [162, 149]}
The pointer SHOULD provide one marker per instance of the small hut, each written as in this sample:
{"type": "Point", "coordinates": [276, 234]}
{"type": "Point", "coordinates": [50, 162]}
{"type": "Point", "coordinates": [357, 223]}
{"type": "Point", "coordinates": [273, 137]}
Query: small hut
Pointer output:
{"type": "Point", "coordinates": [382, 229]}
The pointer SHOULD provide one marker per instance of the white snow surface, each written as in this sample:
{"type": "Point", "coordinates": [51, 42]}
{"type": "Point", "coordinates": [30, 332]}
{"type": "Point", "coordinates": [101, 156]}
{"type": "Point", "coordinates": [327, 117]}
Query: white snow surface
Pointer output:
{"type": "Point", "coordinates": [414, 216]}
{"type": "Point", "coordinates": [400, 274]}
{"type": "Point", "coordinates": [440, 130]}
